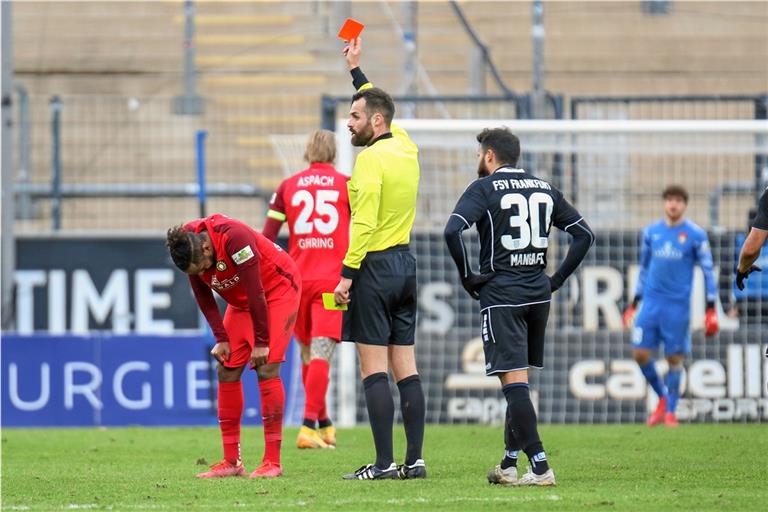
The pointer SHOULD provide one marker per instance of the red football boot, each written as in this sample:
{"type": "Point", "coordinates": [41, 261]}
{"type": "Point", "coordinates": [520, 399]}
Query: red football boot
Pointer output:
{"type": "Point", "coordinates": [268, 469]}
{"type": "Point", "coordinates": [222, 469]}
{"type": "Point", "coordinates": [670, 420]}
{"type": "Point", "coordinates": [657, 416]}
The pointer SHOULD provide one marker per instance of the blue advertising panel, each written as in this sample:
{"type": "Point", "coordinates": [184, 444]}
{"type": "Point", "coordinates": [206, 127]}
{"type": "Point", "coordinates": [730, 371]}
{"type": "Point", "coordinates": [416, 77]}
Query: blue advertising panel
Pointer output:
{"type": "Point", "coordinates": [121, 380]}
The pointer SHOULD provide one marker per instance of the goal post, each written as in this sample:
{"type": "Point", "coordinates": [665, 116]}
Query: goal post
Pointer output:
{"type": "Point", "coordinates": [613, 171]}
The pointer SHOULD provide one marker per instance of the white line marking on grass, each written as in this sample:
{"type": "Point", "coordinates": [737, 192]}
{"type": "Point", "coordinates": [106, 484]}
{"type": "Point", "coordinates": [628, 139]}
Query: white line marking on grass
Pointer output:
{"type": "Point", "coordinates": [459, 499]}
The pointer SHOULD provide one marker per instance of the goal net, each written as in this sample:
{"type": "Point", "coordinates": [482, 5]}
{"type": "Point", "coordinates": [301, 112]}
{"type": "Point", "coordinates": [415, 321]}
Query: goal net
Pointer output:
{"type": "Point", "coordinates": [613, 171]}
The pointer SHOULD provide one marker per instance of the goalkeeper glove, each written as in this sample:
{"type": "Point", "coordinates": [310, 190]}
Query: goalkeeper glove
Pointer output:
{"type": "Point", "coordinates": [629, 313]}
{"type": "Point", "coordinates": [711, 325]}
{"type": "Point", "coordinates": [741, 276]}
{"type": "Point", "coordinates": [474, 282]}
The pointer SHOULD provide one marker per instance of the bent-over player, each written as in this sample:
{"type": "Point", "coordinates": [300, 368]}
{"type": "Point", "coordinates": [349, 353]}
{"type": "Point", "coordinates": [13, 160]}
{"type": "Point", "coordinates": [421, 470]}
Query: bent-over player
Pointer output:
{"type": "Point", "coordinates": [261, 285]}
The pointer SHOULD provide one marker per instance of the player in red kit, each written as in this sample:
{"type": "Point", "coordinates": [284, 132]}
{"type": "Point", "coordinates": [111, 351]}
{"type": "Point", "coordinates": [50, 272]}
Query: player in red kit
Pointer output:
{"type": "Point", "coordinates": [315, 204]}
{"type": "Point", "coordinates": [262, 287]}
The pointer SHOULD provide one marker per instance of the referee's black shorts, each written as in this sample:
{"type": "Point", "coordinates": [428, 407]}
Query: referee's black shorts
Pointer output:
{"type": "Point", "coordinates": [382, 308]}
{"type": "Point", "coordinates": [513, 336]}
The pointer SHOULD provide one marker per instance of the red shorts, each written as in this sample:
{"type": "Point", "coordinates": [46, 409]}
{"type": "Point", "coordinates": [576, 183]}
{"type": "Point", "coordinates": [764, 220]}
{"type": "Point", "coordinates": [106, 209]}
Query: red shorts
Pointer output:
{"type": "Point", "coordinates": [314, 321]}
{"type": "Point", "coordinates": [239, 327]}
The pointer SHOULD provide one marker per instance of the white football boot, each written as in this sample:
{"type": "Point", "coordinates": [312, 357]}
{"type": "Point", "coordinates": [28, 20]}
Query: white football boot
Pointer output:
{"type": "Point", "coordinates": [503, 476]}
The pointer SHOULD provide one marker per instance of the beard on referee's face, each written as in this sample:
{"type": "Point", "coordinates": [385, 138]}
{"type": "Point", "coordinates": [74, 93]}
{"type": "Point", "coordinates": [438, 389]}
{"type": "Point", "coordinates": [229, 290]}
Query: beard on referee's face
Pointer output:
{"type": "Point", "coordinates": [362, 136]}
{"type": "Point", "coordinates": [359, 124]}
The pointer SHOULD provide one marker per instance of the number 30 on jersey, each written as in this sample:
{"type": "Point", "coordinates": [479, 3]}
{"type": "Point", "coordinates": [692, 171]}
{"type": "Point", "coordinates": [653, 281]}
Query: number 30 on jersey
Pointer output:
{"type": "Point", "coordinates": [528, 220]}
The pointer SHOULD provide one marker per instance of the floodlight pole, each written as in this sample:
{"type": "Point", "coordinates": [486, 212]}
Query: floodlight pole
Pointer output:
{"type": "Point", "coordinates": [8, 190]}
{"type": "Point", "coordinates": [190, 103]}
{"type": "Point", "coordinates": [410, 65]}
{"type": "Point", "coordinates": [537, 32]}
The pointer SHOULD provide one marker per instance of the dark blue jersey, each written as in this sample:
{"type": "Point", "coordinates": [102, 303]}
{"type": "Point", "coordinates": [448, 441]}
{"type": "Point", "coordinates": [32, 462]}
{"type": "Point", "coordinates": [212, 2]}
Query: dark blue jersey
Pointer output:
{"type": "Point", "coordinates": [514, 212]}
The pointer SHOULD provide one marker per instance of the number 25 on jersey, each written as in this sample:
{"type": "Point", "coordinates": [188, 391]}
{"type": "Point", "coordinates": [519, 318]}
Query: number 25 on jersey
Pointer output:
{"type": "Point", "coordinates": [323, 204]}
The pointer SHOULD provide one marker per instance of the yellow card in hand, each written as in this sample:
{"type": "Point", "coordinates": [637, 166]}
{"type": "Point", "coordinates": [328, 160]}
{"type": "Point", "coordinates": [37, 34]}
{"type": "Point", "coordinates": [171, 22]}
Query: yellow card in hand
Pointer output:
{"type": "Point", "coordinates": [329, 303]}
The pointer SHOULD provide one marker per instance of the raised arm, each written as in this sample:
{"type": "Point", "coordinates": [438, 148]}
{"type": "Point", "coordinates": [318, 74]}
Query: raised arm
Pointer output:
{"type": "Point", "coordinates": [352, 54]}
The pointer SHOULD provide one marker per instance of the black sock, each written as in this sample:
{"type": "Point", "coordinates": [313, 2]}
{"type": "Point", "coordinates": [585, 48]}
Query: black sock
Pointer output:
{"type": "Point", "coordinates": [511, 446]}
{"type": "Point", "coordinates": [523, 420]}
{"type": "Point", "coordinates": [310, 423]}
{"type": "Point", "coordinates": [325, 423]}
{"type": "Point", "coordinates": [414, 410]}
{"type": "Point", "coordinates": [381, 414]}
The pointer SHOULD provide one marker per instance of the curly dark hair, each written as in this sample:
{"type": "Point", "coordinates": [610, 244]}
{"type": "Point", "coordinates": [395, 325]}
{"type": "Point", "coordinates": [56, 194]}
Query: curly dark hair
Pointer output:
{"type": "Point", "coordinates": [183, 246]}
{"type": "Point", "coordinates": [675, 191]}
{"type": "Point", "coordinates": [503, 142]}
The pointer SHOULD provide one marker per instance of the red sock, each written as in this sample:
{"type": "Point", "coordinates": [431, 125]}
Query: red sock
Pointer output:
{"type": "Point", "coordinates": [272, 405]}
{"type": "Point", "coordinates": [230, 413]}
{"type": "Point", "coordinates": [316, 388]}
{"type": "Point", "coordinates": [304, 370]}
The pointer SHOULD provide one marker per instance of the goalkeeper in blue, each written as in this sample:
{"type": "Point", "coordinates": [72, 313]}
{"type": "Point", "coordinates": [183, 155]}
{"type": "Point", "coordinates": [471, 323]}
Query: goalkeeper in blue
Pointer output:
{"type": "Point", "coordinates": [669, 250]}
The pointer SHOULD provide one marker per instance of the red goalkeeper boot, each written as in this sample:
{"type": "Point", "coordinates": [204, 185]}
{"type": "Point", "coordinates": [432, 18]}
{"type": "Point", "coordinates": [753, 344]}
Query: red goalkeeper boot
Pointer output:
{"type": "Point", "coordinates": [657, 416]}
{"type": "Point", "coordinates": [670, 420]}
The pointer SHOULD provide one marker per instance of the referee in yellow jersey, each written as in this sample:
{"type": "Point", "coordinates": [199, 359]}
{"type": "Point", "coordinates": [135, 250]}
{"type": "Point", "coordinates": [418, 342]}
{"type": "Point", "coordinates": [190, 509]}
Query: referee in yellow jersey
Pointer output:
{"type": "Point", "coordinates": [378, 279]}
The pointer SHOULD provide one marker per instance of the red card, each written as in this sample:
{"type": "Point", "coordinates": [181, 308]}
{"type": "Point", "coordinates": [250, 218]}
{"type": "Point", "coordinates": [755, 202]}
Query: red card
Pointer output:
{"type": "Point", "coordinates": [351, 30]}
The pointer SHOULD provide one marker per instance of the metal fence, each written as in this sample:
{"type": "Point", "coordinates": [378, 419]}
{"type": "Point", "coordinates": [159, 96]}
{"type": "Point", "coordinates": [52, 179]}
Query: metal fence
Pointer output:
{"type": "Point", "coordinates": [683, 107]}
{"type": "Point", "coordinates": [128, 163]}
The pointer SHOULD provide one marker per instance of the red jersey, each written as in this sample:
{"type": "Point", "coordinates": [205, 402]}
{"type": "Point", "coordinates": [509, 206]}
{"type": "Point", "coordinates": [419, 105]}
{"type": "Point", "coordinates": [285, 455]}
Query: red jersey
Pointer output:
{"type": "Point", "coordinates": [315, 204]}
{"type": "Point", "coordinates": [237, 245]}
{"type": "Point", "coordinates": [238, 249]}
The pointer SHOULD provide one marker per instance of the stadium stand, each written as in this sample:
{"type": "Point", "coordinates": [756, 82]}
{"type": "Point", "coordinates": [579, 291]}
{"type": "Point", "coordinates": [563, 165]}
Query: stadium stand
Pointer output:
{"type": "Point", "coordinates": [263, 67]}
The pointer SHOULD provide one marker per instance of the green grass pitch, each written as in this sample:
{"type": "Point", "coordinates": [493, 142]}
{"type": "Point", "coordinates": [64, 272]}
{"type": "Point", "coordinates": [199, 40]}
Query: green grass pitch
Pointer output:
{"type": "Point", "coordinates": [600, 467]}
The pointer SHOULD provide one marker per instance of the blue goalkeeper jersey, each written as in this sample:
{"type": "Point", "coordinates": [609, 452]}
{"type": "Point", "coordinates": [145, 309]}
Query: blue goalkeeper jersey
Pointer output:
{"type": "Point", "coordinates": [667, 257]}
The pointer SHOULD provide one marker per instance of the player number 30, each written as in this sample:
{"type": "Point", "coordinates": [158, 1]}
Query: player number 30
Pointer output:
{"type": "Point", "coordinates": [527, 220]}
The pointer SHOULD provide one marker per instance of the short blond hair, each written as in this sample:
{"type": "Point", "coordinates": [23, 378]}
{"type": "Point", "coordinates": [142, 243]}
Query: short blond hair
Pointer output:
{"type": "Point", "coordinates": [321, 147]}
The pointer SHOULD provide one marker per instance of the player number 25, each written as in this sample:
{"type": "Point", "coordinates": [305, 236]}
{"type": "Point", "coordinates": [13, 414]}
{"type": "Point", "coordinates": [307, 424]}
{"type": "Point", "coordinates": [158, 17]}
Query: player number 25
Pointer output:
{"type": "Point", "coordinates": [527, 220]}
{"type": "Point", "coordinates": [322, 205]}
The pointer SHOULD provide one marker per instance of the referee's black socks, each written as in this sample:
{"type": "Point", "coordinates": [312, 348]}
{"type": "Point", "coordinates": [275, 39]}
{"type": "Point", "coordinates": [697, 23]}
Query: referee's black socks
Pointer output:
{"type": "Point", "coordinates": [381, 414]}
{"type": "Point", "coordinates": [414, 412]}
{"type": "Point", "coordinates": [523, 422]}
